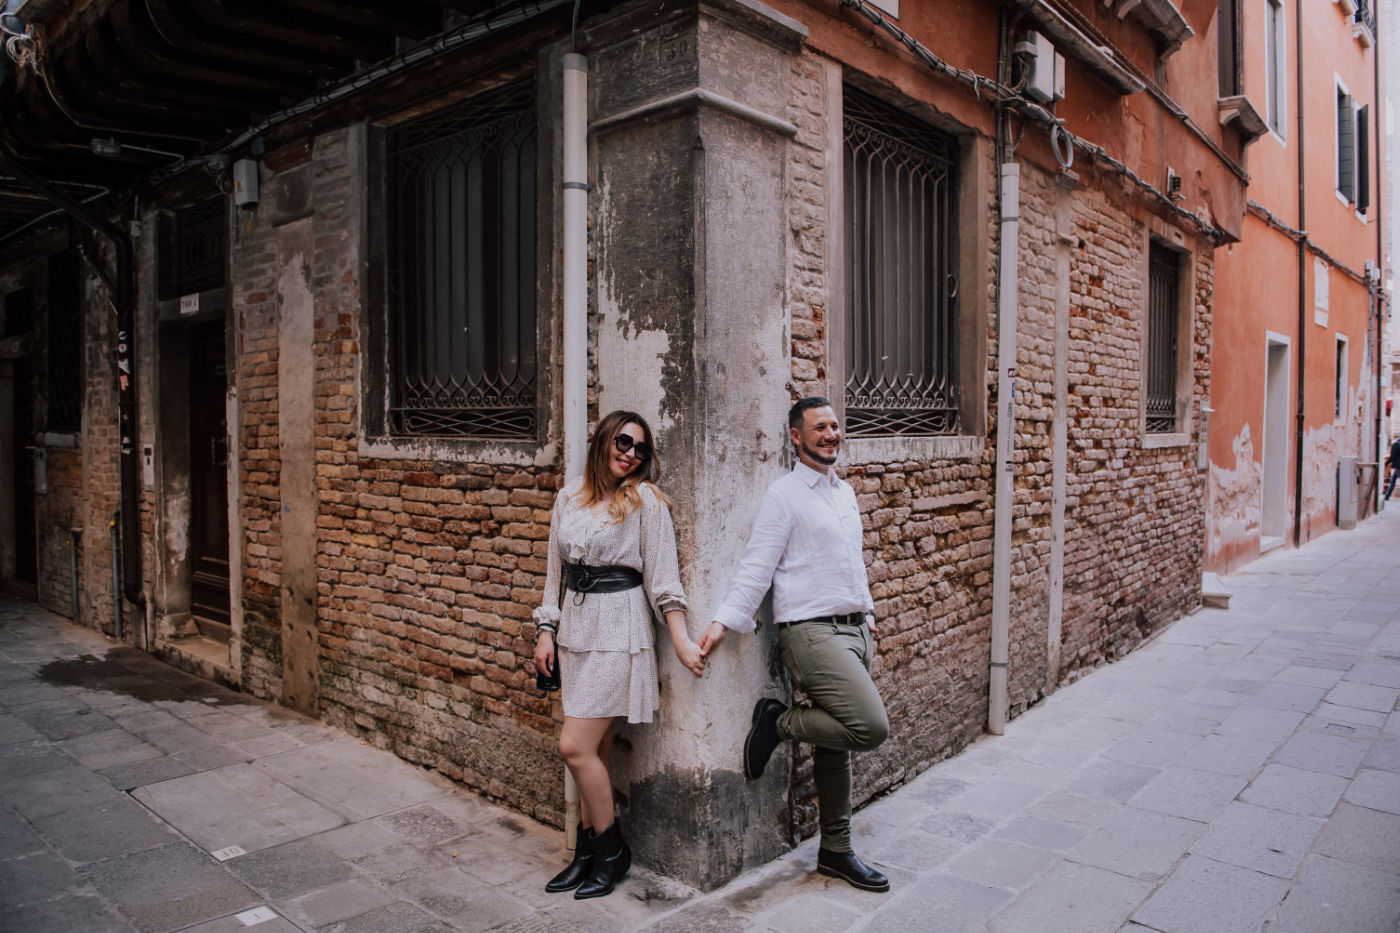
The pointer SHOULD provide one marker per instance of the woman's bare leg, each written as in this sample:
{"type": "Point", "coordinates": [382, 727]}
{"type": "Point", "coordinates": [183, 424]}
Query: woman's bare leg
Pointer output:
{"type": "Point", "coordinates": [586, 745]}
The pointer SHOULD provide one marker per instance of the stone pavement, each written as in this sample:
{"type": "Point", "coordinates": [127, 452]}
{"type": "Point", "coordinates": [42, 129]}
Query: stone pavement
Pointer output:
{"type": "Point", "coordinates": [1239, 773]}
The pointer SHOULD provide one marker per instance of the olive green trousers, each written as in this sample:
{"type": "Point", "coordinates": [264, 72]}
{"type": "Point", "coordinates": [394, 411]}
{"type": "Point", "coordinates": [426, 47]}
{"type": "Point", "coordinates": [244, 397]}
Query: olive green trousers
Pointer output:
{"type": "Point", "coordinates": [830, 662]}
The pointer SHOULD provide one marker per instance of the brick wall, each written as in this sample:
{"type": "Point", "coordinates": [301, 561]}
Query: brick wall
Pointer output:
{"type": "Point", "coordinates": [83, 480]}
{"type": "Point", "coordinates": [253, 278]}
{"type": "Point", "coordinates": [427, 570]}
{"type": "Point", "coordinates": [1133, 515]}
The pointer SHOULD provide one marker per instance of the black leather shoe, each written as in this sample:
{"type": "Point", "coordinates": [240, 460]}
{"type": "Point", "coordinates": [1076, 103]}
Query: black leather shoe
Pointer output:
{"type": "Point", "coordinates": [611, 859]}
{"type": "Point", "coordinates": [577, 870]}
{"type": "Point", "coordinates": [853, 871]}
{"type": "Point", "coordinates": [763, 737]}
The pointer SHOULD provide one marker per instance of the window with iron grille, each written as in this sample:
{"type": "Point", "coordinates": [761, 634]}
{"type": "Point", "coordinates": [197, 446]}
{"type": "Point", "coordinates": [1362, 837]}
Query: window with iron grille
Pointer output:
{"type": "Point", "coordinates": [901, 262]}
{"type": "Point", "coordinates": [461, 200]}
{"type": "Point", "coordinates": [194, 250]}
{"type": "Point", "coordinates": [1164, 273]}
{"type": "Point", "coordinates": [64, 360]}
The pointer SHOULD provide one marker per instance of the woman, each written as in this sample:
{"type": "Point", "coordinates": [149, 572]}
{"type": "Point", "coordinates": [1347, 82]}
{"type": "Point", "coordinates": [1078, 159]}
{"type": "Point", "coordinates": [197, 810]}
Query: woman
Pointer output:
{"type": "Point", "coordinates": [611, 539]}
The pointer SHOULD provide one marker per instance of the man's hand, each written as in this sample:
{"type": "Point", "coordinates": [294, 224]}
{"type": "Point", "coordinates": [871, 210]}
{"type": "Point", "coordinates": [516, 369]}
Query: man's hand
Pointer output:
{"type": "Point", "coordinates": [712, 638]}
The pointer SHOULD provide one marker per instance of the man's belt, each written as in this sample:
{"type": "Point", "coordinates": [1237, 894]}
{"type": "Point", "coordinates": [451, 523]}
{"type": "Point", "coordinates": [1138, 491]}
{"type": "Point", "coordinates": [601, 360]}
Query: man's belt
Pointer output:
{"type": "Point", "coordinates": [847, 618]}
{"type": "Point", "coordinates": [583, 579]}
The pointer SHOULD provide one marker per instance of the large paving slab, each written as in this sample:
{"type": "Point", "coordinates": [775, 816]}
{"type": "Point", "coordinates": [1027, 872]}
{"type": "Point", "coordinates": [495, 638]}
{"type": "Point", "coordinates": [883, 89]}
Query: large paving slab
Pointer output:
{"type": "Point", "coordinates": [1240, 773]}
{"type": "Point", "coordinates": [236, 806]}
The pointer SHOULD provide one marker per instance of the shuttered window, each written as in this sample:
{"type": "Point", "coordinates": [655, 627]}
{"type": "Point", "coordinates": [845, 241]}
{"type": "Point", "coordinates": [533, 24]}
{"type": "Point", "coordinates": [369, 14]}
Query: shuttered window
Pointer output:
{"type": "Point", "coordinates": [1363, 159]}
{"type": "Point", "coordinates": [1346, 146]}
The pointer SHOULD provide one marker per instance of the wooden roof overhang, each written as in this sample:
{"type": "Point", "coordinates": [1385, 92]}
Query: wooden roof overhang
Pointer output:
{"type": "Point", "coordinates": [172, 80]}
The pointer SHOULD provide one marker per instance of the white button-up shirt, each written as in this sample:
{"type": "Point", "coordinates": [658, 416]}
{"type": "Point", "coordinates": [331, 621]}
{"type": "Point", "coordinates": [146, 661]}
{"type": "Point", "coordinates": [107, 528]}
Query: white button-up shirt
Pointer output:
{"type": "Point", "coordinates": [806, 543]}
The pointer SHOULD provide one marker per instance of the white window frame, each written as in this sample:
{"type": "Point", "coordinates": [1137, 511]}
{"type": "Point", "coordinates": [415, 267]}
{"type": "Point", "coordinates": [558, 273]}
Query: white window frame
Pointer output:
{"type": "Point", "coordinates": [1276, 68]}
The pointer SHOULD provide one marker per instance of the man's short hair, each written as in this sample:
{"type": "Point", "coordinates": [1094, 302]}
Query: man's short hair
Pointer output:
{"type": "Point", "coordinates": [802, 404]}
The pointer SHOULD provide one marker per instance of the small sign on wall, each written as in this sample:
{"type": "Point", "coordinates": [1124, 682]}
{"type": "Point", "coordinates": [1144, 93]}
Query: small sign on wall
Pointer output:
{"type": "Point", "coordinates": [889, 6]}
{"type": "Point", "coordinates": [1321, 291]}
{"type": "Point", "coordinates": [189, 304]}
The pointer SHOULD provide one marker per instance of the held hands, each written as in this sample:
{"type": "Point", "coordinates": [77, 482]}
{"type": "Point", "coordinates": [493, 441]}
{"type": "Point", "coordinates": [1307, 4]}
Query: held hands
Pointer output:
{"type": "Point", "coordinates": [712, 638]}
{"type": "Point", "coordinates": [544, 653]}
{"type": "Point", "coordinates": [690, 655]}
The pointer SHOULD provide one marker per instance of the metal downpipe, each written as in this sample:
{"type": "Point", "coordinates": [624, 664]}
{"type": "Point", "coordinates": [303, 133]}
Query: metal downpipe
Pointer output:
{"type": "Point", "coordinates": [575, 196]}
{"type": "Point", "coordinates": [1010, 212]}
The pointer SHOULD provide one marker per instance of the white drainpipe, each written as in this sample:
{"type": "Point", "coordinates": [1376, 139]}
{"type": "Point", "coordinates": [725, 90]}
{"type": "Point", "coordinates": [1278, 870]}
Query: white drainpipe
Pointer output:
{"type": "Point", "coordinates": [575, 311]}
{"type": "Point", "coordinates": [1006, 445]}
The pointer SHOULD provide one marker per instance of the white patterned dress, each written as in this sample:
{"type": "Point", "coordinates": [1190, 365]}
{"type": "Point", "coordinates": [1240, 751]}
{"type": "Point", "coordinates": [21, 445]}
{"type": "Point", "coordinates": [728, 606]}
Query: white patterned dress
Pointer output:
{"type": "Point", "coordinates": [605, 644]}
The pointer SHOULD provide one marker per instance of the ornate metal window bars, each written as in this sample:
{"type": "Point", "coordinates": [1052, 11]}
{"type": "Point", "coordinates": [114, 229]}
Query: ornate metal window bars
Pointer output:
{"type": "Point", "coordinates": [462, 270]}
{"type": "Point", "coordinates": [901, 261]}
{"type": "Point", "coordinates": [64, 362]}
{"type": "Point", "coordinates": [194, 250]}
{"type": "Point", "coordinates": [1164, 272]}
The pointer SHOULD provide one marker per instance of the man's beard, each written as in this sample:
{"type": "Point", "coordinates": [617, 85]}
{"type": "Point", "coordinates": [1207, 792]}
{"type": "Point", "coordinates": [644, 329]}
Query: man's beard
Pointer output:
{"type": "Point", "coordinates": [818, 455]}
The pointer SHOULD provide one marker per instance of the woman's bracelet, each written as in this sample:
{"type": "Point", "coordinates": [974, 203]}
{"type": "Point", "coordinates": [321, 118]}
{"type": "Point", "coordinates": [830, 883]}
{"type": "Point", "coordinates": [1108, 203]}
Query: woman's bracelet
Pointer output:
{"type": "Point", "coordinates": [546, 627]}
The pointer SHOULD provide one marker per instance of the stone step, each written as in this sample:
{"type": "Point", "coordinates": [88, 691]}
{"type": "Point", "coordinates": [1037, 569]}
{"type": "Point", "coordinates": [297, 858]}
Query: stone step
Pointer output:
{"type": "Point", "coordinates": [1214, 593]}
{"type": "Point", "coordinates": [201, 656]}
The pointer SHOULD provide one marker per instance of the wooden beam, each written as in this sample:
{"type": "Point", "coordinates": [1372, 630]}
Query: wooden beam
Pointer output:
{"type": "Point", "coordinates": [177, 22]}
{"type": "Point", "coordinates": [410, 18]}
{"type": "Point", "coordinates": [150, 52]}
{"type": "Point", "coordinates": [255, 21]}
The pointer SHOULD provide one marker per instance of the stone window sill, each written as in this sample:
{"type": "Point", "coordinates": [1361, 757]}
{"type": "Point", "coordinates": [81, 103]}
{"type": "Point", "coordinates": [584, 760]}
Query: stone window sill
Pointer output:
{"type": "Point", "coordinates": [456, 450]}
{"type": "Point", "coordinates": [1156, 441]}
{"type": "Point", "coordinates": [862, 450]}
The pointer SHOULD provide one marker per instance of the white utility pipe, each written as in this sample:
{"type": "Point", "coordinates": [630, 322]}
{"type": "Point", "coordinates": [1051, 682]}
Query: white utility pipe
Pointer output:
{"type": "Point", "coordinates": [575, 196]}
{"type": "Point", "coordinates": [1006, 444]}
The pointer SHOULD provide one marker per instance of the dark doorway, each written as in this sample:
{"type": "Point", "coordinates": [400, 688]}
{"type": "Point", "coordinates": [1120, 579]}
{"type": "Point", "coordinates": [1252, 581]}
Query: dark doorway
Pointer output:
{"type": "Point", "coordinates": [18, 318]}
{"type": "Point", "coordinates": [26, 538]}
{"type": "Point", "coordinates": [209, 589]}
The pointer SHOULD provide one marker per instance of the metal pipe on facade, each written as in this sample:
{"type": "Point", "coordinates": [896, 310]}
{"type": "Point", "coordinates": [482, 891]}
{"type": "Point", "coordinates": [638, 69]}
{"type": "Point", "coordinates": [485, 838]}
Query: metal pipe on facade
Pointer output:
{"type": "Point", "coordinates": [115, 536]}
{"type": "Point", "coordinates": [124, 300]}
{"type": "Point", "coordinates": [77, 536]}
{"type": "Point", "coordinates": [1010, 214]}
{"type": "Point", "coordinates": [1302, 292]}
{"type": "Point", "coordinates": [1376, 285]}
{"type": "Point", "coordinates": [575, 196]}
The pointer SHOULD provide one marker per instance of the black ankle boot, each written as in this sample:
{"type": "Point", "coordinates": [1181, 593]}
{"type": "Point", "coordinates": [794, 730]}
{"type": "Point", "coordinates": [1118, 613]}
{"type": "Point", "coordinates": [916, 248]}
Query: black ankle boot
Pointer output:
{"type": "Point", "coordinates": [611, 859]}
{"type": "Point", "coordinates": [577, 870]}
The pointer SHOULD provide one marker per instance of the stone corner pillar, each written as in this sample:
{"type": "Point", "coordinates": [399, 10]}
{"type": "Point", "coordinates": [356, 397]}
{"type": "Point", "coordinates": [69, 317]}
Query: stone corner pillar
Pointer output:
{"type": "Point", "coordinates": [690, 145]}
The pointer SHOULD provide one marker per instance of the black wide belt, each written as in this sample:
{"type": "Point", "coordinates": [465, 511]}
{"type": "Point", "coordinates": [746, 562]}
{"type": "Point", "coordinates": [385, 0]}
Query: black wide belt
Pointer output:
{"type": "Point", "coordinates": [847, 618]}
{"type": "Point", "coordinates": [583, 579]}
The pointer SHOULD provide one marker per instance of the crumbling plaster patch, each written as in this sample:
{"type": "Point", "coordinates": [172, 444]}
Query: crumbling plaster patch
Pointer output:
{"type": "Point", "coordinates": [1235, 496]}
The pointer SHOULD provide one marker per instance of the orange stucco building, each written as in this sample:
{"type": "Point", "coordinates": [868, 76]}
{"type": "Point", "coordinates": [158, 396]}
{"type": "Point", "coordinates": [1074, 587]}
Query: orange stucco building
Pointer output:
{"type": "Point", "coordinates": [1294, 358]}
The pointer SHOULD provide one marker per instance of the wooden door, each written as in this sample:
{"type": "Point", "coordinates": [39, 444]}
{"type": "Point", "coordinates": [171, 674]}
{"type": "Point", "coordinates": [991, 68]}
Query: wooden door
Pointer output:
{"type": "Point", "coordinates": [209, 584]}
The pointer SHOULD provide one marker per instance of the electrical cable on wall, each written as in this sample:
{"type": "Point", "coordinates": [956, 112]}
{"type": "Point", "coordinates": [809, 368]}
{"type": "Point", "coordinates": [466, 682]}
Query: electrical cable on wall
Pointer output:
{"type": "Point", "coordinates": [1012, 99]}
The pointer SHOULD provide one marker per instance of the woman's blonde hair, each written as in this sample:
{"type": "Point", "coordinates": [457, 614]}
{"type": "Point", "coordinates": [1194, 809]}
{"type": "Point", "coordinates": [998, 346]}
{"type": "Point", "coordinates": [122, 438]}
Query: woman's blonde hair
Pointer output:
{"type": "Point", "coordinates": [598, 483]}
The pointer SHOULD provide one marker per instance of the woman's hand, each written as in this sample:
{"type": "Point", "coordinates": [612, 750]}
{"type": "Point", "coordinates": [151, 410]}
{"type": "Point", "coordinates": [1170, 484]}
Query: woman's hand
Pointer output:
{"type": "Point", "coordinates": [544, 653]}
{"type": "Point", "coordinates": [689, 653]}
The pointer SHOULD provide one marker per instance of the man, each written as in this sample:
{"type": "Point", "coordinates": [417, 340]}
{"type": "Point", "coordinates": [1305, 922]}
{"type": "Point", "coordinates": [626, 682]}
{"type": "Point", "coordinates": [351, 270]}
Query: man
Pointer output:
{"type": "Point", "coordinates": [806, 543]}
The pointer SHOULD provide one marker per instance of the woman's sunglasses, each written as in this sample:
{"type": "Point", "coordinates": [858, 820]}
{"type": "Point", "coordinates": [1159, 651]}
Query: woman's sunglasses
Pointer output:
{"type": "Point", "coordinates": [640, 449]}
